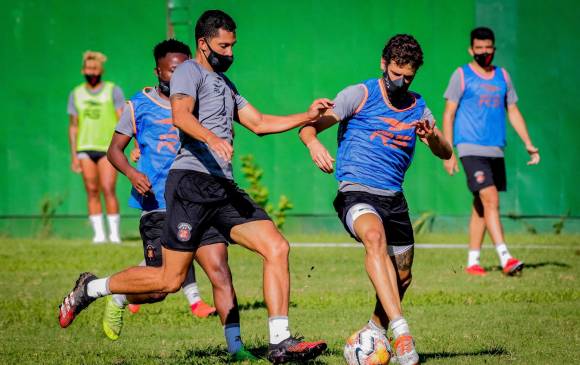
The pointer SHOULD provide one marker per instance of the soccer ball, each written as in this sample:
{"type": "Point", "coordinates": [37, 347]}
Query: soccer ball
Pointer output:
{"type": "Point", "coordinates": [367, 347]}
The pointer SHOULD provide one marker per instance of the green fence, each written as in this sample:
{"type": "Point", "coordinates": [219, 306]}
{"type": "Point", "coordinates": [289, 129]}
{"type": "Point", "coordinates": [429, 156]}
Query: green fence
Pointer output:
{"type": "Point", "coordinates": [289, 53]}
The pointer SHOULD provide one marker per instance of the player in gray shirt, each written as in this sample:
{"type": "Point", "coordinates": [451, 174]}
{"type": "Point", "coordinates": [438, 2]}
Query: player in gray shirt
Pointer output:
{"type": "Point", "coordinates": [200, 191]}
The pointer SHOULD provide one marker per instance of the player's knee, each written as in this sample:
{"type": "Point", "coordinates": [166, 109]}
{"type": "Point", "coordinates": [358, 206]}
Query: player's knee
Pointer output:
{"type": "Point", "coordinates": [109, 191]}
{"type": "Point", "coordinates": [278, 249]}
{"type": "Point", "coordinates": [489, 200]}
{"type": "Point", "coordinates": [92, 190]}
{"type": "Point", "coordinates": [373, 240]}
{"type": "Point", "coordinates": [172, 284]}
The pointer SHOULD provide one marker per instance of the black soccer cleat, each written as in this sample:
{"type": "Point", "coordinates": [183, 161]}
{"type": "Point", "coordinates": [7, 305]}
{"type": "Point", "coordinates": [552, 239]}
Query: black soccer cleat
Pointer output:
{"type": "Point", "coordinates": [294, 349]}
{"type": "Point", "coordinates": [76, 300]}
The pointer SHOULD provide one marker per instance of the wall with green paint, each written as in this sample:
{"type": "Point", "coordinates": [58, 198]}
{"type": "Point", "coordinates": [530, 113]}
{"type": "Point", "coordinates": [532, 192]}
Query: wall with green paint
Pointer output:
{"type": "Point", "coordinates": [289, 53]}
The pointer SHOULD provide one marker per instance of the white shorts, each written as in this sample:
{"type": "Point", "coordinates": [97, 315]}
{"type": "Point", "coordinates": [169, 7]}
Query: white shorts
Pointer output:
{"type": "Point", "coordinates": [362, 208]}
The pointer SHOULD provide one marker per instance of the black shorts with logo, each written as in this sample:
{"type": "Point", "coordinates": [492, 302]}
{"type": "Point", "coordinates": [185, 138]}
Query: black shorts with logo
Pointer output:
{"type": "Point", "coordinates": [196, 201]}
{"type": "Point", "coordinates": [483, 172]}
{"type": "Point", "coordinates": [151, 227]}
{"type": "Point", "coordinates": [393, 211]}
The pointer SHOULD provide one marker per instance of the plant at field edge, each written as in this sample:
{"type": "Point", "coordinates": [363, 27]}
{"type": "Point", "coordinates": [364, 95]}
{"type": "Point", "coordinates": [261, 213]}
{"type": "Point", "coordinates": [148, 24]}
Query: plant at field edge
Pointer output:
{"type": "Point", "coordinates": [424, 223]}
{"type": "Point", "coordinates": [559, 225]}
{"type": "Point", "coordinates": [529, 227]}
{"type": "Point", "coordinates": [48, 206]}
{"type": "Point", "coordinates": [257, 191]}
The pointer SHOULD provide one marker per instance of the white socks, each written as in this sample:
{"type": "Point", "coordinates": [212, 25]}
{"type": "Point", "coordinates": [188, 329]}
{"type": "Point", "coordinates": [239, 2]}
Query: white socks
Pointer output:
{"type": "Point", "coordinates": [114, 220]}
{"type": "Point", "coordinates": [279, 329]}
{"type": "Point", "coordinates": [473, 257]}
{"type": "Point", "coordinates": [399, 327]}
{"type": "Point", "coordinates": [98, 228]}
{"type": "Point", "coordinates": [120, 300]}
{"type": "Point", "coordinates": [377, 327]}
{"type": "Point", "coordinates": [233, 337]}
{"type": "Point", "coordinates": [191, 292]}
{"type": "Point", "coordinates": [503, 253]}
{"type": "Point", "coordinates": [98, 288]}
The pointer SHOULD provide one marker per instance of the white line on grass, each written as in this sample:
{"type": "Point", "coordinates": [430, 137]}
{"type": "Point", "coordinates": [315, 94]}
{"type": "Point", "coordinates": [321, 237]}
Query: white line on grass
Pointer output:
{"type": "Point", "coordinates": [422, 245]}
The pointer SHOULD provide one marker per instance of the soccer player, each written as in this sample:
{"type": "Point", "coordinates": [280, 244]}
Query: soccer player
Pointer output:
{"type": "Point", "coordinates": [200, 192]}
{"type": "Point", "coordinates": [380, 121]}
{"type": "Point", "coordinates": [94, 108]}
{"type": "Point", "coordinates": [147, 117]}
{"type": "Point", "coordinates": [477, 98]}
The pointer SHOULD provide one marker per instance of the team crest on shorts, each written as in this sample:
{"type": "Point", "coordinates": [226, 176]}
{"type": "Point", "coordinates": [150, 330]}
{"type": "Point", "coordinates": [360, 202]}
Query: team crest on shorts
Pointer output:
{"type": "Point", "coordinates": [183, 232]}
{"type": "Point", "coordinates": [479, 177]}
{"type": "Point", "coordinates": [150, 252]}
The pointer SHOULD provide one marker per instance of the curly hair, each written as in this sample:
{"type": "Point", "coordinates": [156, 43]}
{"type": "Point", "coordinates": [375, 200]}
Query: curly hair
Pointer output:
{"type": "Point", "coordinates": [404, 50]}
{"type": "Point", "coordinates": [170, 46]}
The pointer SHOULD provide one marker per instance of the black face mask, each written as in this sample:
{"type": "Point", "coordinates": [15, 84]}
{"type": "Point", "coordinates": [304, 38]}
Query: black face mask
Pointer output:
{"type": "Point", "coordinates": [164, 87]}
{"type": "Point", "coordinates": [218, 62]}
{"type": "Point", "coordinates": [395, 88]}
{"type": "Point", "coordinates": [93, 80]}
{"type": "Point", "coordinates": [483, 59]}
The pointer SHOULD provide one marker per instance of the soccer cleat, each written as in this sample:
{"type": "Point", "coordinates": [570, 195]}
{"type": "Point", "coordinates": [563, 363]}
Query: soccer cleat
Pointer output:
{"type": "Point", "coordinates": [294, 349]}
{"type": "Point", "coordinates": [134, 308]}
{"type": "Point", "coordinates": [405, 350]}
{"type": "Point", "coordinates": [114, 239]}
{"type": "Point", "coordinates": [243, 355]}
{"type": "Point", "coordinates": [113, 319]}
{"type": "Point", "coordinates": [75, 301]}
{"type": "Point", "coordinates": [97, 240]}
{"type": "Point", "coordinates": [476, 270]}
{"type": "Point", "coordinates": [201, 309]}
{"type": "Point", "coordinates": [513, 266]}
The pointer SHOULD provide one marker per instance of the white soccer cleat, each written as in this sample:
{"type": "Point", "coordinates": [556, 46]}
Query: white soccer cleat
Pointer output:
{"type": "Point", "coordinates": [97, 240]}
{"type": "Point", "coordinates": [114, 239]}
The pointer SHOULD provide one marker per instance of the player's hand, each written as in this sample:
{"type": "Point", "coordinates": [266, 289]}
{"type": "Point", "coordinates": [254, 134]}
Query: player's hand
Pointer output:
{"type": "Point", "coordinates": [135, 154]}
{"type": "Point", "coordinates": [221, 147]}
{"type": "Point", "coordinates": [320, 156]}
{"type": "Point", "coordinates": [425, 130]}
{"type": "Point", "coordinates": [451, 165]}
{"type": "Point", "coordinates": [139, 181]}
{"type": "Point", "coordinates": [318, 107]}
{"type": "Point", "coordinates": [75, 165]}
{"type": "Point", "coordinates": [534, 154]}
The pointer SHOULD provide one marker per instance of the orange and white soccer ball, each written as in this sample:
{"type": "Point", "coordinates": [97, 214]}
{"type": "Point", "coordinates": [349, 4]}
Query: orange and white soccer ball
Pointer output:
{"type": "Point", "coordinates": [367, 347]}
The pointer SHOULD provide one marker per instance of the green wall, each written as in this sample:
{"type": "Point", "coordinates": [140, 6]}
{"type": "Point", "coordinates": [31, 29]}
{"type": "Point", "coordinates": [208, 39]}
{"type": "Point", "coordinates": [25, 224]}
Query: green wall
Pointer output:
{"type": "Point", "coordinates": [289, 53]}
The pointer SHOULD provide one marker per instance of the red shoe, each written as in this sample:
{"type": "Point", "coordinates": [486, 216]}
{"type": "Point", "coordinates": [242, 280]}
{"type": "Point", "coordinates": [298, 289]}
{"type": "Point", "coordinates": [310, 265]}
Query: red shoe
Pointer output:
{"type": "Point", "coordinates": [513, 266]}
{"type": "Point", "coordinates": [294, 349]}
{"type": "Point", "coordinates": [134, 308]}
{"type": "Point", "coordinates": [76, 300]}
{"type": "Point", "coordinates": [476, 270]}
{"type": "Point", "coordinates": [201, 309]}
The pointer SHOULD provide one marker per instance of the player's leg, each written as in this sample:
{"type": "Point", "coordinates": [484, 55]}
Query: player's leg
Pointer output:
{"type": "Point", "coordinates": [476, 234]}
{"type": "Point", "coordinates": [135, 280]}
{"type": "Point", "coordinates": [213, 258]}
{"type": "Point", "coordinates": [264, 238]}
{"type": "Point", "coordinates": [108, 180]}
{"type": "Point", "coordinates": [90, 179]}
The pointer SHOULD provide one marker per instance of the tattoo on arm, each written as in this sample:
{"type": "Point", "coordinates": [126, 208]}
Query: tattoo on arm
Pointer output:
{"type": "Point", "coordinates": [404, 261]}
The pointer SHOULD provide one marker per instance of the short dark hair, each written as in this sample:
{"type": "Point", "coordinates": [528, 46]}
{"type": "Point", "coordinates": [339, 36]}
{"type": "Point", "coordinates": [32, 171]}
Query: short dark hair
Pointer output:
{"type": "Point", "coordinates": [403, 49]}
{"type": "Point", "coordinates": [482, 33]}
{"type": "Point", "coordinates": [170, 46]}
{"type": "Point", "coordinates": [210, 22]}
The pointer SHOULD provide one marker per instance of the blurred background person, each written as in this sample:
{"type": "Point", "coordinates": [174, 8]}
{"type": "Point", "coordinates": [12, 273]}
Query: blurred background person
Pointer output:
{"type": "Point", "coordinates": [94, 108]}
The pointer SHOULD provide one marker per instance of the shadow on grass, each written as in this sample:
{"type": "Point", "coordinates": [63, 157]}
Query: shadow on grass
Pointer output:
{"type": "Point", "coordinates": [218, 355]}
{"type": "Point", "coordinates": [492, 351]}
{"type": "Point", "coordinates": [533, 265]}
{"type": "Point", "coordinates": [257, 305]}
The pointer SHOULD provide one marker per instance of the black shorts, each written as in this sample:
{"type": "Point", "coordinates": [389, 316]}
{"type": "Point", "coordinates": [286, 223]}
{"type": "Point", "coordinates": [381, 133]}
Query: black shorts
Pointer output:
{"type": "Point", "coordinates": [393, 211]}
{"type": "Point", "coordinates": [196, 201]}
{"type": "Point", "coordinates": [151, 227]}
{"type": "Point", "coordinates": [483, 172]}
{"type": "Point", "coordinates": [95, 156]}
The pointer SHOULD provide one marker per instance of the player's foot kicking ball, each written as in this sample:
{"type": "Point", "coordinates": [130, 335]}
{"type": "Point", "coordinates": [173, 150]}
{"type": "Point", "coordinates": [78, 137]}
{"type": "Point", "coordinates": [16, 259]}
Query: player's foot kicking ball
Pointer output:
{"type": "Point", "coordinates": [294, 349]}
{"type": "Point", "coordinates": [243, 355]}
{"type": "Point", "coordinates": [113, 319]}
{"type": "Point", "coordinates": [134, 308]}
{"type": "Point", "coordinates": [75, 301]}
{"type": "Point", "coordinates": [201, 309]}
{"type": "Point", "coordinates": [405, 350]}
{"type": "Point", "coordinates": [513, 266]}
{"type": "Point", "coordinates": [476, 270]}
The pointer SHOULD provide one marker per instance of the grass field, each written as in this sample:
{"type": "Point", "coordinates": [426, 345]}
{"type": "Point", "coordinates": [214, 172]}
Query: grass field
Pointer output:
{"type": "Point", "coordinates": [456, 319]}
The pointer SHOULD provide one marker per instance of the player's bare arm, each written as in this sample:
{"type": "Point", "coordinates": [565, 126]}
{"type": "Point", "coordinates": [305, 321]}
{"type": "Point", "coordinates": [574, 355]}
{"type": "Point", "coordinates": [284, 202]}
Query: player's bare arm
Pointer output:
{"type": "Point", "coordinates": [517, 121]}
{"type": "Point", "coordinates": [116, 155]}
{"type": "Point", "coordinates": [262, 124]}
{"type": "Point", "coordinates": [73, 128]}
{"type": "Point", "coordinates": [450, 164]}
{"type": "Point", "coordinates": [308, 135]}
{"type": "Point", "coordinates": [182, 109]}
{"type": "Point", "coordinates": [432, 137]}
